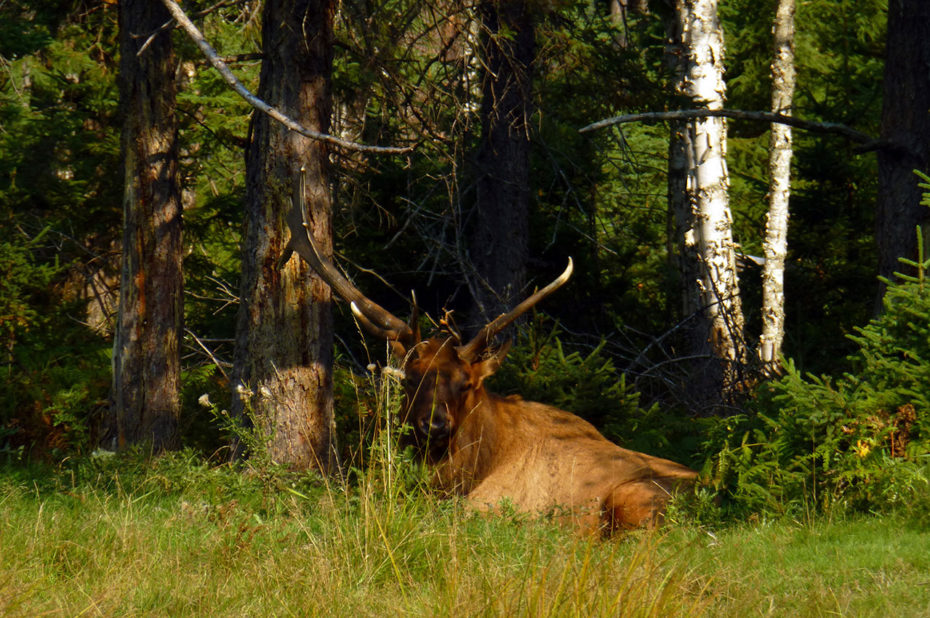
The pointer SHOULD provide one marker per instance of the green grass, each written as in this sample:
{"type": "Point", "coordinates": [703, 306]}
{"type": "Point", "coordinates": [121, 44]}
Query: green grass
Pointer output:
{"type": "Point", "coordinates": [866, 566]}
{"type": "Point", "coordinates": [177, 537]}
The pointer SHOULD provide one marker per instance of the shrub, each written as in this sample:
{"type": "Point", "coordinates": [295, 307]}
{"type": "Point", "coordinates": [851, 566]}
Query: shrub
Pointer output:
{"type": "Point", "coordinates": [857, 442]}
{"type": "Point", "coordinates": [55, 371]}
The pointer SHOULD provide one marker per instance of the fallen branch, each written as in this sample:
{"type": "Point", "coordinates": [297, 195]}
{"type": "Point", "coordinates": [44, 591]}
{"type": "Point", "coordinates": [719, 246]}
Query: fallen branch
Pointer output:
{"type": "Point", "coordinates": [870, 143]}
{"type": "Point", "coordinates": [181, 18]}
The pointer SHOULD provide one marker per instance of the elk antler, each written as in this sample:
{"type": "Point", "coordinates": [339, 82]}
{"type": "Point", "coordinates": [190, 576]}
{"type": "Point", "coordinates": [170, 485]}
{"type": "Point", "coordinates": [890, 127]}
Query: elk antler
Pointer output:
{"type": "Point", "coordinates": [471, 350]}
{"type": "Point", "coordinates": [375, 318]}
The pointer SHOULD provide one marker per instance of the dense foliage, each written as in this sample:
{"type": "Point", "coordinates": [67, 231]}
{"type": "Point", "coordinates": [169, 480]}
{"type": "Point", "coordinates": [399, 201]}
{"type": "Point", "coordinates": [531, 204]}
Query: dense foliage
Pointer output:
{"type": "Point", "coordinates": [856, 441]}
{"type": "Point", "coordinates": [855, 436]}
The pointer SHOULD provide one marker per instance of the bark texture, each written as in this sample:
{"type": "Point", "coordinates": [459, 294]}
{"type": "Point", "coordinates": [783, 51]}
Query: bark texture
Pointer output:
{"type": "Point", "coordinates": [146, 360]}
{"type": "Point", "coordinates": [776, 228]}
{"type": "Point", "coordinates": [283, 363]}
{"type": "Point", "coordinates": [698, 198]}
{"type": "Point", "coordinates": [499, 236]}
{"type": "Point", "coordinates": [906, 126]}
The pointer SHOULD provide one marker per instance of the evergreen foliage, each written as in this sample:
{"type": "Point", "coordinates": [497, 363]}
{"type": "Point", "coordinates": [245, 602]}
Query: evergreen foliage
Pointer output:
{"type": "Point", "coordinates": [859, 441]}
{"type": "Point", "coordinates": [599, 198]}
{"type": "Point", "coordinates": [21, 279]}
{"type": "Point", "coordinates": [59, 217]}
{"type": "Point", "coordinates": [586, 382]}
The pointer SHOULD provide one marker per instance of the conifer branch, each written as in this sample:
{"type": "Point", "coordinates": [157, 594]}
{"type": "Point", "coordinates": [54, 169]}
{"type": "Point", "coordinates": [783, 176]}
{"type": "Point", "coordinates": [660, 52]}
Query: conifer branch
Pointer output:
{"type": "Point", "coordinates": [229, 77]}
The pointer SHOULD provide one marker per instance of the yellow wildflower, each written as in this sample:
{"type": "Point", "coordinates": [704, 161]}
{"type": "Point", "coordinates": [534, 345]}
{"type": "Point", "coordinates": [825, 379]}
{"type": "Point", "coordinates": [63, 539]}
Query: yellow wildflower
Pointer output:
{"type": "Point", "coordinates": [862, 448]}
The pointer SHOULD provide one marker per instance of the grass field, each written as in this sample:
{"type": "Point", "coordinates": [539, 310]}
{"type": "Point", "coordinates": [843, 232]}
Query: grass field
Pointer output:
{"type": "Point", "coordinates": [177, 537]}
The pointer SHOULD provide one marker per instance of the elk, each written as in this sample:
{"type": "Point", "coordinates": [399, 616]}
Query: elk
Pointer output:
{"type": "Point", "coordinates": [493, 449]}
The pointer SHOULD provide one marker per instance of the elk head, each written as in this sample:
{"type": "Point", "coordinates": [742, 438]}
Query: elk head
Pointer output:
{"type": "Point", "coordinates": [443, 378]}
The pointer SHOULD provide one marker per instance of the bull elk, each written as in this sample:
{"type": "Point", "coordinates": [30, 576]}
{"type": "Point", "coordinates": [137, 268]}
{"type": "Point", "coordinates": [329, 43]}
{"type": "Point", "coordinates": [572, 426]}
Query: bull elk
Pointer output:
{"type": "Point", "coordinates": [489, 448]}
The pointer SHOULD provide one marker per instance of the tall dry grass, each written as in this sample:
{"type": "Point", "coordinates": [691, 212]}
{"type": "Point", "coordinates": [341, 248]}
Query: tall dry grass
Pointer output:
{"type": "Point", "coordinates": [174, 537]}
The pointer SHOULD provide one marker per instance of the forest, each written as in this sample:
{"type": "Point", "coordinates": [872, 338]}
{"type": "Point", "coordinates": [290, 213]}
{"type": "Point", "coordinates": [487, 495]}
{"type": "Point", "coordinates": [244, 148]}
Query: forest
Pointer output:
{"type": "Point", "coordinates": [741, 188]}
{"type": "Point", "coordinates": [193, 423]}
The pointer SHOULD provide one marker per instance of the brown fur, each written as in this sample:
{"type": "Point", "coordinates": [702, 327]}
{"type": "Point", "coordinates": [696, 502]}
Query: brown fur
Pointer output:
{"type": "Point", "coordinates": [538, 458]}
{"type": "Point", "coordinates": [493, 449]}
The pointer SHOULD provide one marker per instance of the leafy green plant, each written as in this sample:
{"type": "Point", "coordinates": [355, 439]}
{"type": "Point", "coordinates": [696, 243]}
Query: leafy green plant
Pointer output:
{"type": "Point", "coordinates": [860, 441]}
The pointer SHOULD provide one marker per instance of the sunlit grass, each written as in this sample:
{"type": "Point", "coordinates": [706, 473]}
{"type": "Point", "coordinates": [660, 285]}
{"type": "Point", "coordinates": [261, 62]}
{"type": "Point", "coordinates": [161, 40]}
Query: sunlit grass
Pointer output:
{"type": "Point", "coordinates": [868, 566]}
{"type": "Point", "coordinates": [176, 537]}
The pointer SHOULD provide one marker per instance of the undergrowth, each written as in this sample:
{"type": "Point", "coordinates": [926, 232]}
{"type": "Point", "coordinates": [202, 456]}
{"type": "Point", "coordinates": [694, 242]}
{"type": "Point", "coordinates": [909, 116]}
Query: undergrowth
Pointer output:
{"type": "Point", "coordinates": [859, 442]}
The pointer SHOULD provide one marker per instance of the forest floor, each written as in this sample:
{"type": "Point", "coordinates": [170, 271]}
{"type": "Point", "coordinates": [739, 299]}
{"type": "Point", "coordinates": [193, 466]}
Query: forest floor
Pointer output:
{"type": "Point", "coordinates": [175, 536]}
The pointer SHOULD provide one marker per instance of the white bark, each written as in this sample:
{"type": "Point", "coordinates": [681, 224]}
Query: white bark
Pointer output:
{"type": "Point", "coordinates": [776, 229]}
{"type": "Point", "coordinates": [702, 214]}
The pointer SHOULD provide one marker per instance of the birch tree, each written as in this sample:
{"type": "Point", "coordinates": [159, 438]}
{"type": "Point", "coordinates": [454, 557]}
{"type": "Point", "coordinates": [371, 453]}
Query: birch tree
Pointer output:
{"type": "Point", "coordinates": [698, 201]}
{"type": "Point", "coordinates": [776, 229]}
{"type": "Point", "coordinates": [146, 347]}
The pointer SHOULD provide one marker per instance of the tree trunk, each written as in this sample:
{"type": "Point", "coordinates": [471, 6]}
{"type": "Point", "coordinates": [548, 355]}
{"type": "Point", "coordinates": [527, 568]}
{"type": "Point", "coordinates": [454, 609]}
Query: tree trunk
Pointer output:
{"type": "Point", "coordinates": [776, 228]}
{"type": "Point", "coordinates": [146, 359]}
{"type": "Point", "coordinates": [906, 125]}
{"type": "Point", "coordinates": [499, 240]}
{"type": "Point", "coordinates": [698, 199]}
{"type": "Point", "coordinates": [284, 338]}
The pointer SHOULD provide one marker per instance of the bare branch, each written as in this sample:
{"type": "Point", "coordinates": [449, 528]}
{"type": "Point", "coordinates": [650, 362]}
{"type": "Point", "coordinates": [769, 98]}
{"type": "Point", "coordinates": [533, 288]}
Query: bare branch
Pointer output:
{"type": "Point", "coordinates": [237, 58]}
{"type": "Point", "coordinates": [217, 362]}
{"type": "Point", "coordinates": [171, 23]}
{"type": "Point", "coordinates": [178, 14]}
{"type": "Point", "coordinates": [736, 114]}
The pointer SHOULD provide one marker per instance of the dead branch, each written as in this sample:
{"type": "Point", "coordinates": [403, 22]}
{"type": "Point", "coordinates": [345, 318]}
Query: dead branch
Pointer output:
{"type": "Point", "coordinates": [182, 19]}
{"type": "Point", "coordinates": [868, 141]}
{"type": "Point", "coordinates": [234, 59]}
{"type": "Point", "coordinates": [216, 362]}
{"type": "Point", "coordinates": [171, 24]}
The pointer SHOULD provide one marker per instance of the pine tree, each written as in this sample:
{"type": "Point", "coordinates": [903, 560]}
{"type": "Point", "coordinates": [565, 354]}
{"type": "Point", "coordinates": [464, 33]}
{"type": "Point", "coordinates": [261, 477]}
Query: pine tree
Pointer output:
{"type": "Point", "coordinates": [284, 337]}
{"type": "Point", "coordinates": [146, 348]}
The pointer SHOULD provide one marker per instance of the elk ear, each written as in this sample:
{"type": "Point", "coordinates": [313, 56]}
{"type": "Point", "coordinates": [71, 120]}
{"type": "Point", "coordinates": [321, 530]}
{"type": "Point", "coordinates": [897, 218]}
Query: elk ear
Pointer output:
{"type": "Point", "coordinates": [487, 368]}
{"type": "Point", "coordinates": [414, 322]}
{"type": "Point", "coordinates": [407, 340]}
{"type": "Point", "coordinates": [398, 349]}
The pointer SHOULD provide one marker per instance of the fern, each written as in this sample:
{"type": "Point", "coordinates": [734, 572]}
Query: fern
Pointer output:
{"type": "Point", "coordinates": [857, 442]}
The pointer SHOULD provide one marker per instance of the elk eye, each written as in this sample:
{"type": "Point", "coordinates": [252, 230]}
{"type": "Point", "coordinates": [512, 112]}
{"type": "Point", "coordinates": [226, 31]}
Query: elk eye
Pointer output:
{"type": "Point", "coordinates": [460, 385]}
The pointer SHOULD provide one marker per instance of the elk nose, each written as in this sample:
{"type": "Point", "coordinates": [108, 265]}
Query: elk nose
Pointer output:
{"type": "Point", "coordinates": [433, 426]}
